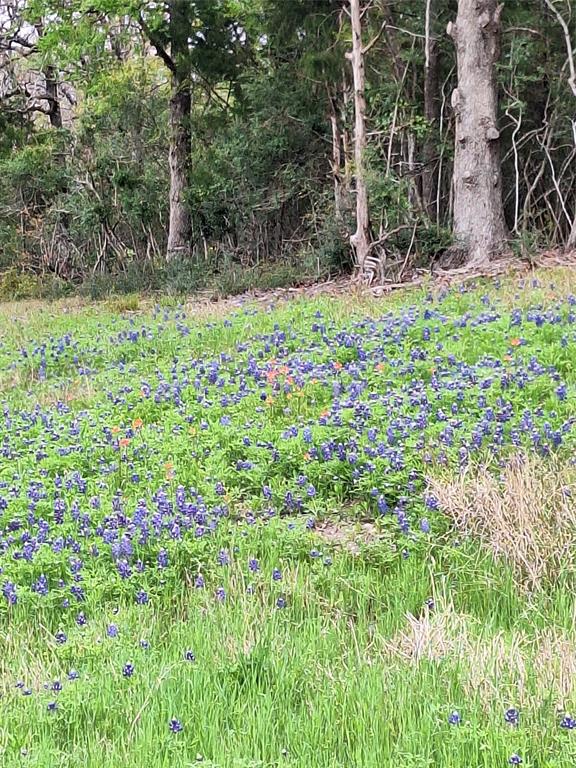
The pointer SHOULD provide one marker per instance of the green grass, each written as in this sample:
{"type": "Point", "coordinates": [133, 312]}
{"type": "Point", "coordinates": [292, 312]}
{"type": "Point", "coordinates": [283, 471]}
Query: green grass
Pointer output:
{"type": "Point", "coordinates": [357, 670]}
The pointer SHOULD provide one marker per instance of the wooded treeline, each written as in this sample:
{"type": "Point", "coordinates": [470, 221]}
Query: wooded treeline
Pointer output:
{"type": "Point", "coordinates": [190, 137]}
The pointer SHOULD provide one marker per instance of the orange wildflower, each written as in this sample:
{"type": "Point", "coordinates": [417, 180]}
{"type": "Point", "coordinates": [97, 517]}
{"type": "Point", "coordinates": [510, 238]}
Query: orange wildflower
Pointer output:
{"type": "Point", "coordinates": [137, 424]}
{"type": "Point", "coordinates": [337, 365]}
{"type": "Point", "coordinates": [515, 342]}
{"type": "Point", "coordinates": [124, 442]}
{"type": "Point", "coordinates": [115, 430]}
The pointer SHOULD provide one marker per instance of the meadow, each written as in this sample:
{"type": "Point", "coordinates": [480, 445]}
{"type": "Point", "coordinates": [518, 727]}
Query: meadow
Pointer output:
{"type": "Point", "coordinates": [325, 533]}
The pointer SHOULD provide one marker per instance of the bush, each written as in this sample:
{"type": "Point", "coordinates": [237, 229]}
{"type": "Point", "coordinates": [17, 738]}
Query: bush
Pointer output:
{"type": "Point", "coordinates": [15, 285]}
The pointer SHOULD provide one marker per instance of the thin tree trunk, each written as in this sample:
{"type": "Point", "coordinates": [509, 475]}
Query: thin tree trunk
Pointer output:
{"type": "Point", "coordinates": [479, 225]}
{"type": "Point", "coordinates": [360, 240]}
{"type": "Point", "coordinates": [52, 97]}
{"type": "Point", "coordinates": [431, 113]}
{"type": "Point", "coordinates": [572, 236]}
{"type": "Point", "coordinates": [179, 156]}
{"type": "Point", "coordinates": [50, 74]}
{"type": "Point", "coordinates": [336, 153]}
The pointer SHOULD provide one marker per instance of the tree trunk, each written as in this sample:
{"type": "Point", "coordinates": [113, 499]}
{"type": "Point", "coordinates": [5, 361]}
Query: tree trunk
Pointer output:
{"type": "Point", "coordinates": [360, 240]}
{"type": "Point", "coordinates": [336, 153]}
{"type": "Point", "coordinates": [51, 85]}
{"type": "Point", "coordinates": [179, 156]}
{"type": "Point", "coordinates": [180, 227]}
{"type": "Point", "coordinates": [479, 226]}
{"type": "Point", "coordinates": [431, 113]}
{"type": "Point", "coordinates": [571, 244]}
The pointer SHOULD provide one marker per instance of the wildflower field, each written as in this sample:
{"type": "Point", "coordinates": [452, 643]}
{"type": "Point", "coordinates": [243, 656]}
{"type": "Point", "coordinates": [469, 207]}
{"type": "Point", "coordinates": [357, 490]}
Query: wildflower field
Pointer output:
{"type": "Point", "coordinates": [331, 533]}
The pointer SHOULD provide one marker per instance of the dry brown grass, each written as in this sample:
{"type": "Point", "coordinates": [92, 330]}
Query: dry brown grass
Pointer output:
{"type": "Point", "coordinates": [527, 515]}
{"type": "Point", "coordinates": [347, 534]}
{"type": "Point", "coordinates": [495, 668]}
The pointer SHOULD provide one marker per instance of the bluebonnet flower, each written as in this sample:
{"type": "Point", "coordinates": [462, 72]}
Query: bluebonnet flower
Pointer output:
{"type": "Point", "coordinates": [52, 706]}
{"type": "Point", "coordinates": [73, 675]}
{"type": "Point", "coordinates": [40, 586]}
{"type": "Point", "coordinates": [163, 559]}
{"type": "Point", "coordinates": [277, 574]}
{"type": "Point", "coordinates": [81, 619]}
{"type": "Point", "coordinates": [60, 637]}
{"type": "Point", "coordinates": [567, 722]}
{"type": "Point", "coordinates": [9, 592]}
{"type": "Point", "coordinates": [515, 759]}
{"type": "Point", "coordinates": [112, 630]}
{"type": "Point", "coordinates": [144, 644]}
{"type": "Point", "coordinates": [454, 718]}
{"type": "Point", "coordinates": [189, 656]}
{"type": "Point", "coordinates": [281, 602]}
{"type": "Point", "coordinates": [512, 716]}
{"type": "Point", "coordinates": [253, 565]}
{"type": "Point", "coordinates": [221, 594]}
{"type": "Point", "coordinates": [142, 597]}
{"type": "Point", "coordinates": [175, 725]}
{"type": "Point", "coordinates": [223, 557]}
{"type": "Point", "coordinates": [199, 581]}
{"type": "Point", "coordinates": [128, 670]}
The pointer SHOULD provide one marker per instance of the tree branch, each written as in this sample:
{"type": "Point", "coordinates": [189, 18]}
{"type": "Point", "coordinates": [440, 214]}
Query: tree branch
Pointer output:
{"type": "Point", "coordinates": [375, 39]}
{"type": "Point", "coordinates": [154, 40]}
{"type": "Point", "coordinates": [569, 51]}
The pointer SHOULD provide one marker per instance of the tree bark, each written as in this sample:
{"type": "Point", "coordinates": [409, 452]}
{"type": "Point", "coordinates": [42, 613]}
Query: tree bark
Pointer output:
{"type": "Point", "coordinates": [359, 240]}
{"type": "Point", "coordinates": [479, 226]}
{"type": "Point", "coordinates": [52, 97]}
{"type": "Point", "coordinates": [180, 226]}
{"type": "Point", "coordinates": [179, 155]}
{"type": "Point", "coordinates": [431, 113]}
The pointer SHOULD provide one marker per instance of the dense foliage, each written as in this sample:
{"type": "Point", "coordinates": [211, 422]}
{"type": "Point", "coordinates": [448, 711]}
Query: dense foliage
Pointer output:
{"type": "Point", "coordinates": [84, 135]}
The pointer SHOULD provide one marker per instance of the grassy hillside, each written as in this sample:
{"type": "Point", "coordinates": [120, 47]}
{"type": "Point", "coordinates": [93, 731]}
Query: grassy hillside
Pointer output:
{"type": "Point", "coordinates": [327, 533]}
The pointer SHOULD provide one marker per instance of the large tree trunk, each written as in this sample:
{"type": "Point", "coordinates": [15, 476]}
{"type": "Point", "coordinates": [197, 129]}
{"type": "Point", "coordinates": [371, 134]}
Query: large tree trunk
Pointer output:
{"type": "Point", "coordinates": [360, 240]}
{"type": "Point", "coordinates": [431, 113]}
{"type": "Point", "coordinates": [180, 227]}
{"type": "Point", "coordinates": [479, 225]}
{"type": "Point", "coordinates": [179, 156]}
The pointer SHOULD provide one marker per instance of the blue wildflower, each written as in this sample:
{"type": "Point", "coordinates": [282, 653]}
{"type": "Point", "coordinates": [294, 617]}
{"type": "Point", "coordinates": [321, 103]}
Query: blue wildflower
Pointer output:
{"type": "Point", "coordinates": [454, 718]}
